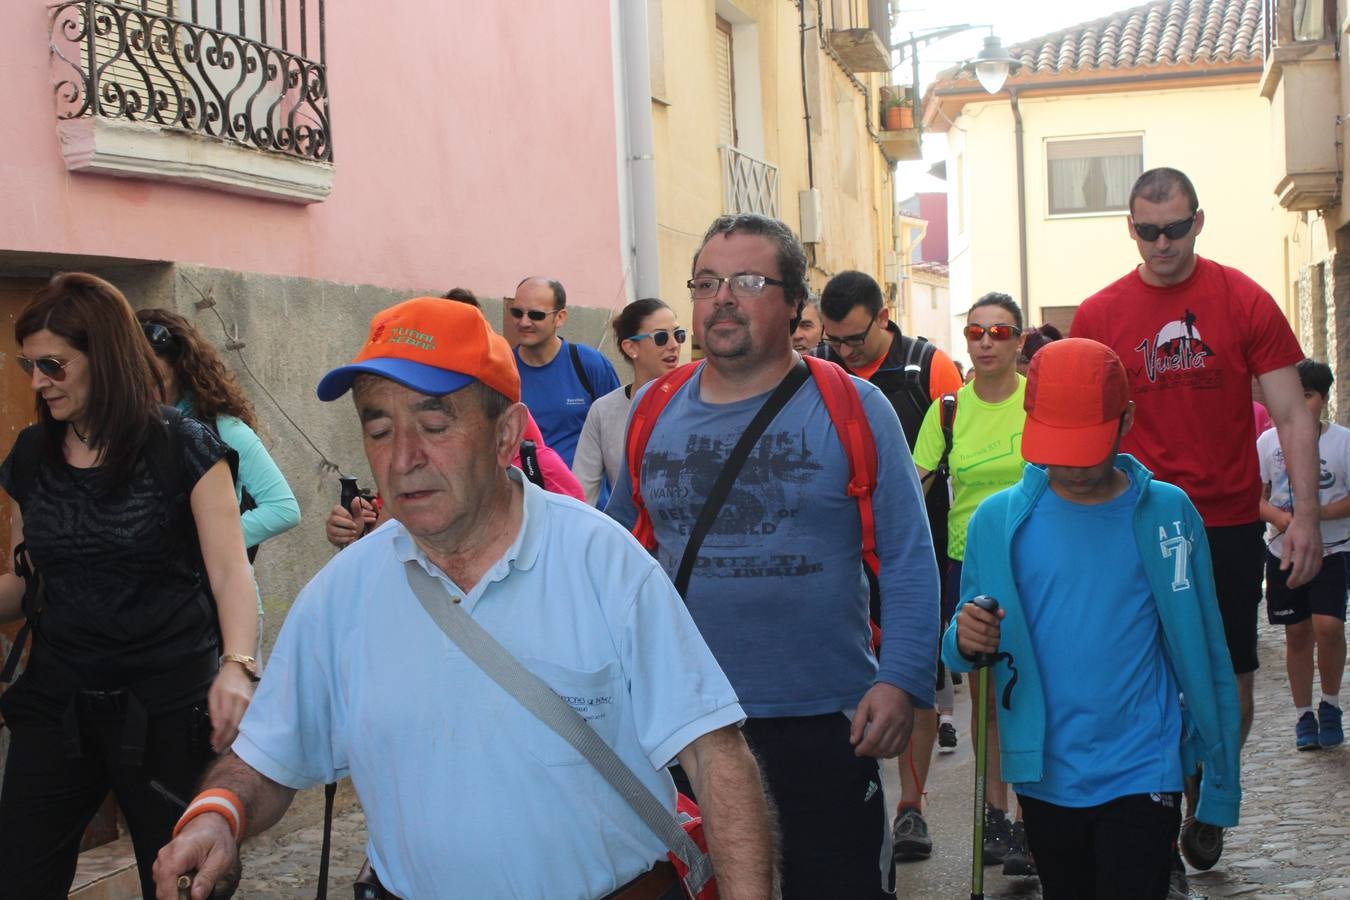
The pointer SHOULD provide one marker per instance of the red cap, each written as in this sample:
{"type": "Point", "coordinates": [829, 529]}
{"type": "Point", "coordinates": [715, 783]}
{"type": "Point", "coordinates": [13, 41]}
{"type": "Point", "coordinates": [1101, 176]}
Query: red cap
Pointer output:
{"type": "Point", "coordinates": [1076, 393]}
{"type": "Point", "coordinates": [433, 346]}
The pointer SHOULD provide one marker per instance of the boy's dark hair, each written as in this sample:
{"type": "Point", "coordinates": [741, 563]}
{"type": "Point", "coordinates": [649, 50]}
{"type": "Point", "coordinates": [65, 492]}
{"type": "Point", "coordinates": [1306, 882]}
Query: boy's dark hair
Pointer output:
{"type": "Point", "coordinates": [850, 289]}
{"type": "Point", "coordinates": [1315, 376]}
{"type": "Point", "coordinates": [462, 295]}
{"type": "Point", "coordinates": [996, 298]}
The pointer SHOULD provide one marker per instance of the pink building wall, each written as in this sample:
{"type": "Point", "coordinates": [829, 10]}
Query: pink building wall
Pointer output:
{"type": "Point", "coordinates": [933, 210]}
{"type": "Point", "coordinates": [474, 144]}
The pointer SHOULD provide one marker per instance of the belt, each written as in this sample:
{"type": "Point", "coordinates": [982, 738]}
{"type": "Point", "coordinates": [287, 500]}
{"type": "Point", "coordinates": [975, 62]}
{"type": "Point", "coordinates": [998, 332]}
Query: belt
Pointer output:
{"type": "Point", "coordinates": [650, 885]}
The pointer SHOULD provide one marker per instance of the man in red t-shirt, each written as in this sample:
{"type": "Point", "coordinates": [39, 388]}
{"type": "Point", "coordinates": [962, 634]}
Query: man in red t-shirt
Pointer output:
{"type": "Point", "coordinates": [1192, 333]}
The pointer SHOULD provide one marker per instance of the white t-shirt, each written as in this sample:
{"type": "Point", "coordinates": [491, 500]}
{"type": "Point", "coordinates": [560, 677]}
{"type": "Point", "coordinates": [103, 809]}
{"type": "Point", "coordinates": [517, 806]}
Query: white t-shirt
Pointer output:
{"type": "Point", "coordinates": [1333, 449]}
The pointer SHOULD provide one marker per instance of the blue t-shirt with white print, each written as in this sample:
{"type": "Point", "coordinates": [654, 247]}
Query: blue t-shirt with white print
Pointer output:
{"type": "Point", "coordinates": [1113, 718]}
{"type": "Point", "coordinates": [779, 591]}
{"type": "Point", "coordinates": [558, 400]}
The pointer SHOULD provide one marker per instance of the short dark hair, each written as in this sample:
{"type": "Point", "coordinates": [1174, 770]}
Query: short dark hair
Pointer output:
{"type": "Point", "coordinates": [995, 298]}
{"type": "Point", "coordinates": [1156, 185]}
{"type": "Point", "coordinates": [1315, 376]}
{"type": "Point", "coordinates": [791, 254]}
{"type": "Point", "coordinates": [1038, 338]}
{"type": "Point", "coordinates": [629, 319]}
{"type": "Point", "coordinates": [559, 293]}
{"type": "Point", "coordinates": [850, 289]}
{"type": "Point", "coordinates": [462, 295]}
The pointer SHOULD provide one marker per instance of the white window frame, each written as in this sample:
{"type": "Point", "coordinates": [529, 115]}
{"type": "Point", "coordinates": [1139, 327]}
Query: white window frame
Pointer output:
{"type": "Point", "coordinates": [1045, 171]}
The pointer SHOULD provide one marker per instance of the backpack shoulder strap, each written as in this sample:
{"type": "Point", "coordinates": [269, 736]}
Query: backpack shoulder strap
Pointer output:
{"type": "Point", "coordinates": [948, 420]}
{"type": "Point", "coordinates": [27, 456]}
{"type": "Point", "coordinates": [850, 422]}
{"type": "Point", "coordinates": [581, 370]}
{"type": "Point", "coordinates": [640, 428]}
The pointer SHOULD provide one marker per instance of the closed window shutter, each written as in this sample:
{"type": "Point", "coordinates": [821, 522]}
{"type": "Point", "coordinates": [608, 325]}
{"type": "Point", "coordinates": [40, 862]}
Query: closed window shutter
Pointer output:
{"type": "Point", "coordinates": [726, 85]}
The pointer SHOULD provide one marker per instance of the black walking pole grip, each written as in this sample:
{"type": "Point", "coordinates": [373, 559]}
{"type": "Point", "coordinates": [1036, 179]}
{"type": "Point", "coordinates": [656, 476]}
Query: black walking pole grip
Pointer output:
{"type": "Point", "coordinates": [349, 491]}
{"type": "Point", "coordinates": [989, 605]}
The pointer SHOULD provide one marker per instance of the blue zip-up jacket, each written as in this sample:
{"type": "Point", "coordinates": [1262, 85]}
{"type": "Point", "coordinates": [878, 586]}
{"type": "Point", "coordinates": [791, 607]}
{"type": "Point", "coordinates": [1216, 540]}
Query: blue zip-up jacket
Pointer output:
{"type": "Point", "coordinates": [1170, 538]}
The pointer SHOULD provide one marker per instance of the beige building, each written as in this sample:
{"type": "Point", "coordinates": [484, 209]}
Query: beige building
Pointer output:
{"type": "Point", "coordinates": [1039, 175]}
{"type": "Point", "coordinates": [756, 106]}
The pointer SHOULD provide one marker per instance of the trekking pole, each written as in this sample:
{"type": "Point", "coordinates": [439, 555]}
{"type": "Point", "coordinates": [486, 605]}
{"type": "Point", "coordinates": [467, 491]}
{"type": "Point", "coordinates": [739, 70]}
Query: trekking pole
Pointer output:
{"type": "Point", "coordinates": [982, 663]}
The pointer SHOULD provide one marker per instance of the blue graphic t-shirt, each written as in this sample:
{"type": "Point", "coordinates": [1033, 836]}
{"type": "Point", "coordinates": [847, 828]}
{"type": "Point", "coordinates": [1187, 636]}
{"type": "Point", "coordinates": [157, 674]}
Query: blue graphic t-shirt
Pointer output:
{"type": "Point", "coordinates": [779, 590]}
{"type": "Point", "coordinates": [1113, 718]}
{"type": "Point", "coordinates": [558, 400]}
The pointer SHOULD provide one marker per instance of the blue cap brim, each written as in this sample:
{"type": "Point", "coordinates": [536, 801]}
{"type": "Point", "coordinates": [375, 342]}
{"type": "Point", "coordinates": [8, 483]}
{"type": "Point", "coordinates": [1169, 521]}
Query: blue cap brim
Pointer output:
{"type": "Point", "coordinates": [414, 375]}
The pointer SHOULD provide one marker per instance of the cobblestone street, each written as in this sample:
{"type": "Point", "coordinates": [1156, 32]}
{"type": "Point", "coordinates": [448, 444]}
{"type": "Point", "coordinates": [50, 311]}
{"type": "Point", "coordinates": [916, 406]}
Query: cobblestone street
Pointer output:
{"type": "Point", "coordinates": [1291, 843]}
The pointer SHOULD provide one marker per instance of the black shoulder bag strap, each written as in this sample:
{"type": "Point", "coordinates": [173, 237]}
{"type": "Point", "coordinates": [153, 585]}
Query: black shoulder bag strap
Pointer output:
{"type": "Point", "coordinates": [529, 462]}
{"type": "Point", "coordinates": [721, 489]}
{"type": "Point", "coordinates": [581, 370]}
{"type": "Point", "coordinates": [27, 453]}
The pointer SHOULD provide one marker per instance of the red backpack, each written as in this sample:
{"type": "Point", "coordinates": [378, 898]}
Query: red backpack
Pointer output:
{"type": "Point", "coordinates": [846, 413]}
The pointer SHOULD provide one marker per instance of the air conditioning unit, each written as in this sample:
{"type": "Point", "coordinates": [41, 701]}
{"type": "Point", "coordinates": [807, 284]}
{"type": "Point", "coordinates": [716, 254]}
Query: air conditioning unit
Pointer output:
{"type": "Point", "coordinates": [812, 216]}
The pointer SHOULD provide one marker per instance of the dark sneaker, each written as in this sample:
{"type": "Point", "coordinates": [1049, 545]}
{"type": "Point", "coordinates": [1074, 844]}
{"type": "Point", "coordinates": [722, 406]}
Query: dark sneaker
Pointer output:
{"type": "Point", "coordinates": [956, 678]}
{"type": "Point", "coordinates": [911, 836]}
{"type": "Point", "coordinates": [997, 836]}
{"type": "Point", "coordinates": [1018, 861]}
{"type": "Point", "coordinates": [946, 738]}
{"type": "Point", "coordinates": [1178, 885]}
{"type": "Point", "coordinates": [1329, 725]}
{"type": "Point", "coordinates": [1201, 843]}
{"type": "Point", "coordinates": [1306, 732]}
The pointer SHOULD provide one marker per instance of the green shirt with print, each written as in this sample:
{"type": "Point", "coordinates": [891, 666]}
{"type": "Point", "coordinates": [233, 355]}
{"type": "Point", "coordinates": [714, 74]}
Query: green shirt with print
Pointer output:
{"type": "Point", "coordinates": [986, 453]}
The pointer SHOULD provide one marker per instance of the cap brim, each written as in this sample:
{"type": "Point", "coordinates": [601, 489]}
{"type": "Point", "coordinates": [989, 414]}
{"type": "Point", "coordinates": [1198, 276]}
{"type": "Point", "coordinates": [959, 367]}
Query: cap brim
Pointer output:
{"type": "Point", "coordinates": [414, 375]}
{"type": "Point", "coordinates": [1051, 445]}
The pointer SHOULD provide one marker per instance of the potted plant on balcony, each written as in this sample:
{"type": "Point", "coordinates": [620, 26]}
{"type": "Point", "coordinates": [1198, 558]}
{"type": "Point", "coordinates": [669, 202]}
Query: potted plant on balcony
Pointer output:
{"type": "Point", "coordinates": [899, 113]}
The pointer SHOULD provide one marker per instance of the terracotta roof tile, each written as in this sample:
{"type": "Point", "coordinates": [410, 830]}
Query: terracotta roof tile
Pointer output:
{"type": "Point", "coordinates": [1162, 33]}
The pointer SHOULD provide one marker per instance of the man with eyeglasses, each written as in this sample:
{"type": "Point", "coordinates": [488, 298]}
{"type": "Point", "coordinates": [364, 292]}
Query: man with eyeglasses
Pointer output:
{"type": "Point", "coordinates": [558, 380]}
{"type": "Point", "coordinates": [778, 587]}
{"type": "Point", "coordinates": [1192, 333]}
{"type": "Point", "coordinates": [913, 373]}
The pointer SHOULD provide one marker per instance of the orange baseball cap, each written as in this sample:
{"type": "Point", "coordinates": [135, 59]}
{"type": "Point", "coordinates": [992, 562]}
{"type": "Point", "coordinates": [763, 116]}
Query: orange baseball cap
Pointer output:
{"type": "Point", "coordinates": [1076, 393]}
{"type": "Point", "coordinates": [433, 346]}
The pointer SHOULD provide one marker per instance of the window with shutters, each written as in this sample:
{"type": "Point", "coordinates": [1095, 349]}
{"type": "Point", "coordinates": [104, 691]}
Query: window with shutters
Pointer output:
{"type": "Point", "coordinates": [726, 83]}
{"type": "Point", "coordinates": [1086, 176]}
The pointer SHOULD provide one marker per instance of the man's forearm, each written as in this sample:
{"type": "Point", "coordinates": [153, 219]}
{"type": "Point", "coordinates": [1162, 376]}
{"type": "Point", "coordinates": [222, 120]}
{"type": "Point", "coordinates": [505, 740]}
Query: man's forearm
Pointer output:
{"type": "Point", "coordinates": [265, 801]}
{"type": "Point", "coordinates": [738, 818]}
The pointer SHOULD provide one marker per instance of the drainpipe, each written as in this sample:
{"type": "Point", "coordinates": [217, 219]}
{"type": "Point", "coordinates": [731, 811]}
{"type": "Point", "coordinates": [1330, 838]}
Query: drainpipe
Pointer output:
{"type": "Point", "coordinates": [636, 120]}
{"type": "Point", "coordinates": [1024, 299]}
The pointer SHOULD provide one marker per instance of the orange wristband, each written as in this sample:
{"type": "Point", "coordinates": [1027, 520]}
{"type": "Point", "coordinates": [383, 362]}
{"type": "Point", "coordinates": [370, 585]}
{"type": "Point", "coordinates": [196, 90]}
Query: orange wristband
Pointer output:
{"type": "Point", "coordinates": [216, 800]}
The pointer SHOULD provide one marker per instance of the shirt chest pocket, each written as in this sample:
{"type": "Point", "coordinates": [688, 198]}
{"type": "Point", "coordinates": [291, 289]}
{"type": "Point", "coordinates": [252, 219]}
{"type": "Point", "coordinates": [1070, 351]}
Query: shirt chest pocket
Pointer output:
{"type": "Point", "coordinates": [595, 695]}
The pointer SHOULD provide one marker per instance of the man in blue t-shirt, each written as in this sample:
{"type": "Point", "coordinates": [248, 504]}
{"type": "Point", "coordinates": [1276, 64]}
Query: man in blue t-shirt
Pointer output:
{"type": "Point", "coordinates": [558, 381]}
{"type": "Point", "coordinates": [778, 589]}
{"type": "Point", "coordinates": [1107, 618]}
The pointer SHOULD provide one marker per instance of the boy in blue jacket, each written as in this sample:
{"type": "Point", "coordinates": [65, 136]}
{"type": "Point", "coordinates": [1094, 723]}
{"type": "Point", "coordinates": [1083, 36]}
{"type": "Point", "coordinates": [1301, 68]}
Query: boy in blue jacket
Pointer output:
{"type": "Point", "coordinates": [1107, 620]}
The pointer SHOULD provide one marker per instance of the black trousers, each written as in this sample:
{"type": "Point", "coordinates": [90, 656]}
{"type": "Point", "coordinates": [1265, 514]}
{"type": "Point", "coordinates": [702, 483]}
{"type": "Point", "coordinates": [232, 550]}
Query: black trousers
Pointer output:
{"type": "Point", "coordinates": [1121, 849]}
{"type": "Point", "coordinates": [49, 798]}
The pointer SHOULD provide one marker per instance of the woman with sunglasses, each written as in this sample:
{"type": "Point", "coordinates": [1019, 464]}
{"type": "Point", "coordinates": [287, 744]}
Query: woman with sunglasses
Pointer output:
{"type": "Point", "coordinates": [130, 651]}
{"type": "Point", "coordinates": [985, 457]}
{"type": "Point", "coordinates": [650, 340]}
{"type": "Point", "coordinates": [197, 382]}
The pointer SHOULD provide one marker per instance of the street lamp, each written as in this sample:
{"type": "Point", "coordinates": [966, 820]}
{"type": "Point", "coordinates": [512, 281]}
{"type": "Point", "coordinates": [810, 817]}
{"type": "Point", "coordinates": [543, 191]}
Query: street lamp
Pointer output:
{"type": "Point", "coordinates": [993, 64]}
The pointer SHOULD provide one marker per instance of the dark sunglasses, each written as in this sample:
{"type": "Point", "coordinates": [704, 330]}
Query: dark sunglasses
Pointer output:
{"type": "Point", "coordinates": [159, 336]}
{"type": "Point", "coordinates": [1175, 231]}
{"type": "Point", "coordinates": [50, 366]}
{"type": "Point", "coordinates": [996, 332]}
{"type": "Point", "coordinates": [536, 315]}
{"type": "Point", "coordinates": [661, 338]}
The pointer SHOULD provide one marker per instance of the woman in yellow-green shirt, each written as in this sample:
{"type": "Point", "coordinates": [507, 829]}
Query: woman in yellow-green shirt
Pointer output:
{"type": "Point", "coordinates": [986, 457]}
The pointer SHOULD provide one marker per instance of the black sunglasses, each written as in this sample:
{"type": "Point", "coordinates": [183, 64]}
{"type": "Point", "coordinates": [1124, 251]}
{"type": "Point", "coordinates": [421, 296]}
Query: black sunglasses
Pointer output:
{"type": "Point", "coordinates": [536, 315]}
{"type": "Point", "coordinates": [50, 366]}
{"type": "Point", "coordinates": [661, 338]}
{"type": "Point", "coordinates": [1174, 231]}
{"type": "Point", "coordinates": [159, 336]}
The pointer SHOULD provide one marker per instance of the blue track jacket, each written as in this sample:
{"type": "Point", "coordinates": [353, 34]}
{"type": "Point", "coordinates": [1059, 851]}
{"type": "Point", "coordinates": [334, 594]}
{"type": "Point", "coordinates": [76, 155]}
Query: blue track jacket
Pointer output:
{"type": "Point", "coordinates": [1170, 537]}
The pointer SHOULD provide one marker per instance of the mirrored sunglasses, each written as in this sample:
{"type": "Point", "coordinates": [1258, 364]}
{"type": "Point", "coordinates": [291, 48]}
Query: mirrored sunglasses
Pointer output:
{"type": "Point", "coordinates": [996, 332]}
{"type": "Point", "coordinates": [50, 366]}
{"type": "Point", "coordinates": [536, 315]}
{"type": "Point", "coordinates": [661, 338]}
{"type": "Point", "coordinates": [159, 336]}
{"type": "Point", "coordinates": [1174, 231]}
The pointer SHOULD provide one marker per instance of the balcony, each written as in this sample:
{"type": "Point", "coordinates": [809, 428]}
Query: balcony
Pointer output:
{"type": "Point", "coordinates": [204, 97]}
{"type": "Point", "coordinates": [1302, 82]}
{"type": "Point", "coordinates": [749, 185]}
{"type": "Point", "coordinates": [861, 44]}
{"type": "Point", "coordinates": [899, 133]}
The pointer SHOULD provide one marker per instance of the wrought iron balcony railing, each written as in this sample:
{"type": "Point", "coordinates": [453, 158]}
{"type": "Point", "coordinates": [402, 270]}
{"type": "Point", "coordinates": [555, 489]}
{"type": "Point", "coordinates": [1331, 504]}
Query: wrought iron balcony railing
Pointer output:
{"type": "Point", "coordinates": [749, 185]}
{"type": "Point", "coordinates": [170, 63]}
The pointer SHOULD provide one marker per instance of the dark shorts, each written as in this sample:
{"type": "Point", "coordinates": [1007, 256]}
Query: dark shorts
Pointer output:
{"type": "Point", "coordinates": [1238, 552]}
{"type": "Point", "coordinates": [1324, 595]}
{"type": "Point", "coordinates": [951, 589]}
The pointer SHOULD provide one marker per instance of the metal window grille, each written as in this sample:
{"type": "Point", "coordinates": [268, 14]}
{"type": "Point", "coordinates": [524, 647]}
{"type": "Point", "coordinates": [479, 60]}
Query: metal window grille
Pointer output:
{"type": "Point", "coordinates": [749, 185]}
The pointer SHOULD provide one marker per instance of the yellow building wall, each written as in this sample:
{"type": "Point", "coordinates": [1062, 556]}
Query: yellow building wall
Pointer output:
{"type": "Point", "coordinates": [1218, 136]}
{"type": "Point", "coordinates": [849, 169]}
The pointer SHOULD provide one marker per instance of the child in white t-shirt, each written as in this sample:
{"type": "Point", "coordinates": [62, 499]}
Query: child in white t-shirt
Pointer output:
{"type": "Point", "coordinates": [1313, 615]}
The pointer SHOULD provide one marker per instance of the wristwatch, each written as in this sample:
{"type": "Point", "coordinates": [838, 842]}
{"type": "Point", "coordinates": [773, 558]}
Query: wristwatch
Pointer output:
{"type": "Point", "coordinates": [249, 663]}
